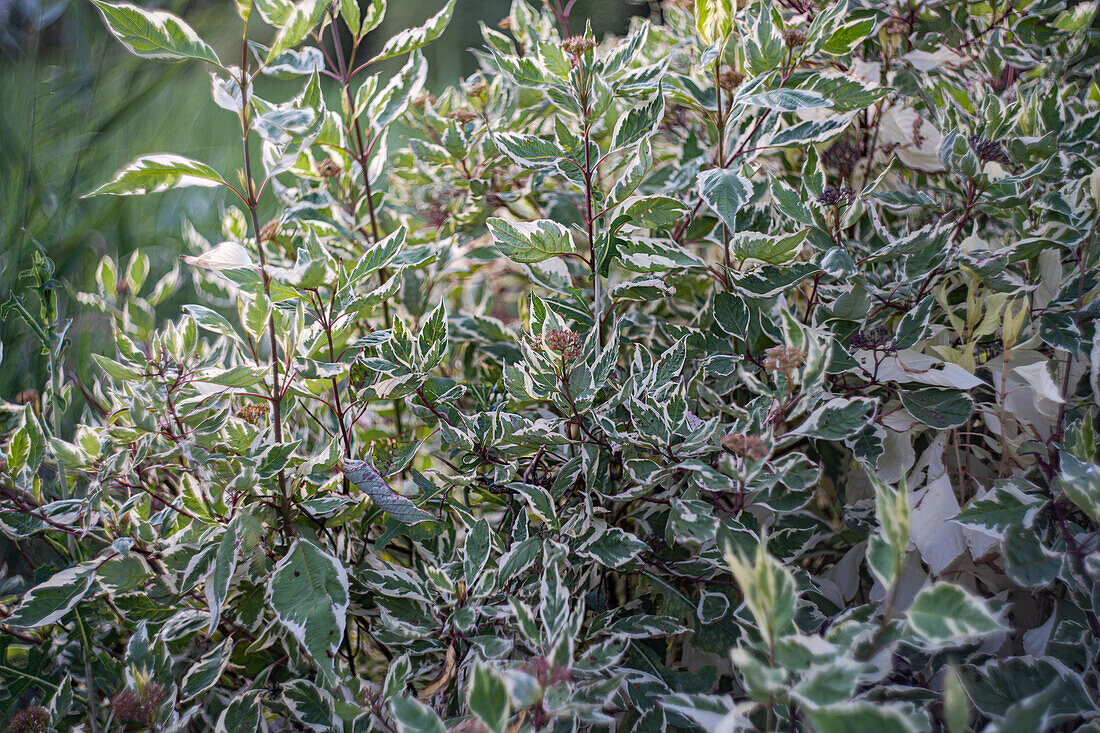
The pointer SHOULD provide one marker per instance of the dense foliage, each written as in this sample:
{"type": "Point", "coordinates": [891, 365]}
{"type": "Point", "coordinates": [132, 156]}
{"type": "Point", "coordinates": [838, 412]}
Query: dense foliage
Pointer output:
{"type": "Point", "coordinates": [737, 374]}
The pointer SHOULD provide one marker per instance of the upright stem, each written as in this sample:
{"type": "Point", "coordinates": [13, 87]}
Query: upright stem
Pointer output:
{"type": "Point", "coordinates": [363, 157]}
{"type": "Point", "coordinates": [251, 201]}
{"type": "Point", "coordinates": [720, 125]}
{"type": "Point", "coordinates": [589, 222]}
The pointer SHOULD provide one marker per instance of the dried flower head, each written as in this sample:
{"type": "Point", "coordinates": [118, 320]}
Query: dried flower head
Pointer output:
{"type": "Point", "coordinates": [478, 89]}
{"type": "Point", "coordinates": [876, 339]}
{"type": "Point", "coordinates": [252, 413]}
{"type": "Point", "coordinates": [896, 27]}
{"type": "Point", "coordinates": [784, 359]}
{"type": "Point", "coordinates": [748, 447]}
{"type": "Point", "coordinates": [139, 707]}
{"type": "Point", "coordinates": [578, 45]}
{"type": "Point", "coordinates": [988, 151]}
{"type": "Point", "coordinates": [462, 116]}
{"type": "Point", "coordinates": [470, 725]}
{"type": "Point", "coordinates": [27, 397]}
{"type": "Point", "coordinates": [729, 79]}
{"type": "Point", "coordinates": [837, 196]}
{"type": "Point", "coordinates": [35, 719]}
{"type": "Point", "coordinates": [566, 343]}
{"type": "Point", "coordinates": [269, 231]}
{"type": "Point", "coordinates": [794, 37]}
{"type": "Point", "coordinates": [328, 168]}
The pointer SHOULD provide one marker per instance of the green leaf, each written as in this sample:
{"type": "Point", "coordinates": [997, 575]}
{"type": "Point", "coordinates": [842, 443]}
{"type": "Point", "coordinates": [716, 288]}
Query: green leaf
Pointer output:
{"type": "Point", "coordinates": [837, 419]}
{"type": "Point", "coordinates": [764, 46]}
{"type": "Point", "coordinates": [313, 706]}
{"type": "Point", "coordinates": [156, 173]}
{"type": "Point", "coordinates": [477, 552]}
{"type": "Point", "coordinates": [774, 249]}
{"type": "Point", "coordinates": [241, 375]}
{"type": "Point", "coordinates": [211, 321]}
{"type": "Point", "coordinates": [539, 502]}
{"type": "Point", "coordinates": [488, 698]}
{"type": "Point", "coordinates": [725, 190]}
{"type": "Point", "coordinates": [309, 593]}
{"type": "Point", "coordinates": [914, 325]}
{"type": "Point", "coordinates": [533, 241]}
{"type": "Point", "coordinates": [1080, 482]}
{"type": "Point", "coordinates": [945, 613]}
{"type": "Point", "coordinates": [769, 590]}
{"type": "Point", "coordinates": [770, 280]}
{"type": "Point", "coordinates": [414, 38]}
{"type": "Point", "coordinates": [1026, 560]}
{"type": "Point", "coordinates": [413, 716]}
{"type": "Point", "coordinates": [155, 34]}
{"type": "Point", "coordinates": [886, 550]}
{"type": "Point", "coordinates": [611, 546]}
{"type": "Point", "coordinates": [713, 20]}
{"type": "Point", "coordinates": [1007, 504]}
{"type": "Point", "coordinates": [206, 672]}
{"type": "Point", "coordinates": [242, 714]}
{"type": "Point", "coordinates": [653, 255]}
{"type": "Point", "coordinates": [786, 100]}
{"type": "Point", "coordinates": [394, 98]}
{"type": "Point", "coordinates": [225, 564]}
{"type": "Point", "coordinates": [638, 124]}
{"type": "Point", "coordinates": [303, 17]}
{"type": "Point", "coordinates": [938, 408]}
{"type": "Point", "coordinates": [848, 36]}
{"type": "Point", "coordinates": [367, 479]}
{"type": "Point", "coordinates": [860, 717]}
{"type": "Point", "coordinates": [655, 211]}
{"type": "Point", "coordinates": [528, 151]}
{"type": "Point", "coordinates": [349, 11]}
{"type": "Point", "coordinates": [48, 602]}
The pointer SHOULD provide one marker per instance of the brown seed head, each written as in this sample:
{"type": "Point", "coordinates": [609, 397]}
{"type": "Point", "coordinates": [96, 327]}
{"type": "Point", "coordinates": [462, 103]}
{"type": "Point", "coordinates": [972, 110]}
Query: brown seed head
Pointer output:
{"type": "Point", "coordinates": [252, 413]}
{"type": "Point", "coordinates": [578, 45]}
{"type": "Point", "coordinates": [28, 397]}
{"type": "Point", "coordinates": [328, 168]}
{"type": "Point", "coordinates": [743, 445]}
{"type": "Point", "coordinates": [138, 707]}
{"type": "Point", "coordinates": [269, 231]}
{"type": "Point", "coordinates": [794, 37]}
{"type": "Point", "coordinates": [729, 79]}
{"type": "Point", "coordinates": [566, 343]}
{"type": "Point", "coordinates": [35, 719]}
{"type": "Point", "coordinates": [784, 359]}
{"type": "Point", "coordinates": [462, 116]}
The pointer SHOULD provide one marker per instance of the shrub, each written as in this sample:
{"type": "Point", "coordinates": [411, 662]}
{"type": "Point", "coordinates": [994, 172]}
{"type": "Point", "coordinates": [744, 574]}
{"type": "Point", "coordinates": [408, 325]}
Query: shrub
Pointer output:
{"type": "Point", "coordinates": [737, 374]}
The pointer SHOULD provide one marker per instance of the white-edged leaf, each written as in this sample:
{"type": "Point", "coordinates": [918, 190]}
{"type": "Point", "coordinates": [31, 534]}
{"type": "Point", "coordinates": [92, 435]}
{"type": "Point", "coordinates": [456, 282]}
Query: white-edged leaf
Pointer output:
{"type": "Point", "coordinates": [367, 479]}
{"type": "Point", "coordinates": [309, 593]}
{"type": "Point", "coordinates": [155, 173]}
{"type": "Point", "coordinates": [725, 190]}
{"type": "Point", "coordinates": [944, 613]}
{"type": "Point", "coordinates": [155, 34]}
{"type": "Point", "coordinates": [532, 241]}
{"type": "Point", "coordinates": [48, 602]}
{"type": "Point", "coordinates": [414, 38]}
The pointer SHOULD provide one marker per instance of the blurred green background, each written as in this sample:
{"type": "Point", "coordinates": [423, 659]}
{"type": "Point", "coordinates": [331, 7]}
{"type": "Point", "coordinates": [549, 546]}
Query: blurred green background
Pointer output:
{"type": "Point", "coordinates": [77, 107]}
